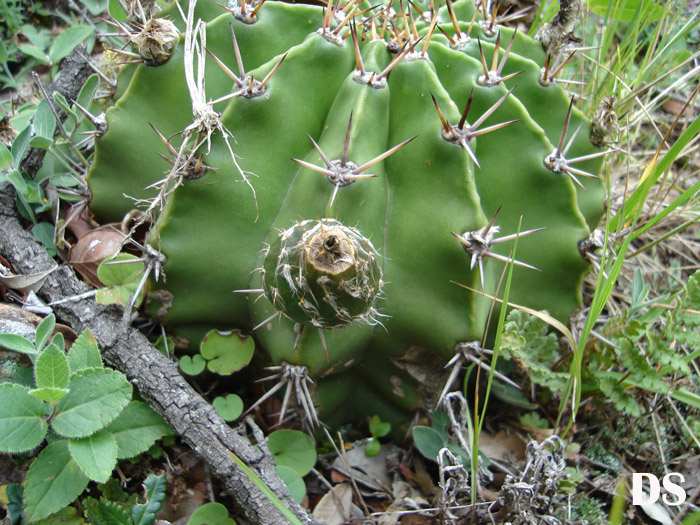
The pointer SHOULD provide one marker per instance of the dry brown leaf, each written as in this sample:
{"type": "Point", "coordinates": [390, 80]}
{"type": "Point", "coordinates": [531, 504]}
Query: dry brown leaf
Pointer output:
{"type": "Point", "coordinates": [23, 283]}
{"type": "Point", "coordinates": [336, 506]}
{"type": "Point", "coordinates": [503, 446]}
{"type": "Point", "coordinates": [93, 248]}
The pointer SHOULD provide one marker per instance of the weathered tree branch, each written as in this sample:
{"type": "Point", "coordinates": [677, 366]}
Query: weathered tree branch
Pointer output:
{"type": "Point", "coordinates": [156, 376]}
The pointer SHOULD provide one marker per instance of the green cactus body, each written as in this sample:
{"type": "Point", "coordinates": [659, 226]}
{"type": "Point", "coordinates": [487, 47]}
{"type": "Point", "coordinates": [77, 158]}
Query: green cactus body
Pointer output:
{"type": "Point", "coordinates": [322, 112]}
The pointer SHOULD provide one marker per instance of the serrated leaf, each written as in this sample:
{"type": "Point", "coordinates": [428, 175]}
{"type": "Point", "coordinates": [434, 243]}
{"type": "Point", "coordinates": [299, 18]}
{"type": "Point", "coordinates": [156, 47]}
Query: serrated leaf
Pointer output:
{"type": "Point", "coordinates": [22, 419]}
{"type": "Point", "coordinates": [67, 40]}
{"type": "Point", "coordinates": [154, 493]}
{"type": "Point", "coordinates": [105, 512]}
{"type": "Point", "coordinates": [49, 394]}
{"type": "Point", "coordinates": [65, 516]}
{"type": "Point", "coordinates": [17, 343]}
{"type": "Point", "coordinates": [121, 278]}
{"type": "Point", "coordinates": [44, 331]}
{"type": "Point", "coordinates": [54, 480]}
{"type": "Point", "coordinates": [84, 353]}
{"type": "Point", "coordinates": [294, 449]}
{"type": "Point", "coordinates": [96, 397]}
{"type": "Point", "coordinates": [51, 368]}
{"type": "Point", "coordinates": [292, 479]}
{"type": "Point", "coordinates": [226, 352]}
{"type": "Point", "coordinates": [23, 375]}
{"type": "Point", "coordinates": [96, 455]}
{"type": "Point", "coordinates": [137, 428]}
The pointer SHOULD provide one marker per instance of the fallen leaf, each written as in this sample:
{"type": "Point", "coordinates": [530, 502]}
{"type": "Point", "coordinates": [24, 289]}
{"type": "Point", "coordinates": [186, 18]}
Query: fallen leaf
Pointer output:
{"type": "Point", "coordinates": [23, 283]}
{"type": "Point", "coordinates": [336, 506]}
{"type": "Point", "coordinates": [91, 249]}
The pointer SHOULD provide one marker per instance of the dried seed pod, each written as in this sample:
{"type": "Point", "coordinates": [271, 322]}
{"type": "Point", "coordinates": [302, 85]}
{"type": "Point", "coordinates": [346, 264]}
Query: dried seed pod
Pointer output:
{"type": "Point", "coordinates": [156, 41]}
{"type": "Point", "coordinates": [322, 273]}
{"type": "Point", "coordinates": [604, 125]}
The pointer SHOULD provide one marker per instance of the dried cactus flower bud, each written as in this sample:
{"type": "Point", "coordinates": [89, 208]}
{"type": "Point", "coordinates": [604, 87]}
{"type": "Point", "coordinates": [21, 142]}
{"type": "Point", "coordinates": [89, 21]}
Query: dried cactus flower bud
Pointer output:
{"type": "Point", "coordinates": [139, 10]}
{"type": "Point", "coordinates": [156, 41]}
{"type": "Point", "coordinates": [323, 273]}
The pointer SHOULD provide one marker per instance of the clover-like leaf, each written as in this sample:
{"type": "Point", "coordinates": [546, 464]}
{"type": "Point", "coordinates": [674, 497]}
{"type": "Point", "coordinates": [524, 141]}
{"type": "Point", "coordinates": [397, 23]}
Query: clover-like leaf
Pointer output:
{"type": "Point", "coordinates": [379, 428]}
{"type": "Point", "coordinates": [292, 479]}
{"type": "Point", "coordinates": [372, 447]}
{"type": "Point", "coordinates": [192, 365]}
{"type": "Point", "coordinates": [293, 449]}
{"type": "Point", "coordinates": [96, 397]}
{"type": "Point", "coordinates": [226, 352]}
{"type": "Point", "coordinates": [211, 514]}
{"type": "Point", "coordinates": [121, 275]}
{"type": "Point", "coordinates": [229, 407]}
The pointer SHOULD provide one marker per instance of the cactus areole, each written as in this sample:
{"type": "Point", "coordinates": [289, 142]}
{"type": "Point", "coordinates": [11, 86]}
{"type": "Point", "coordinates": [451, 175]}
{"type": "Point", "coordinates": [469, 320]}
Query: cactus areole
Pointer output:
{"type": "Point", "coordinates": [365, 169]}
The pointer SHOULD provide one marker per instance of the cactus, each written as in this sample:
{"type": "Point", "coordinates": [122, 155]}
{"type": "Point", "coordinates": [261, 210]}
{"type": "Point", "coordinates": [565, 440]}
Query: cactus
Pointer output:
{"type": "Point", "coordinates": [364, 170]}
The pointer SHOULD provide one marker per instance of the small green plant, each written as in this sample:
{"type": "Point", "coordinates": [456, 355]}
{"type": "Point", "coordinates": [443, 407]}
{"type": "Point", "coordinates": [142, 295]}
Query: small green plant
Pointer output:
{"type": "Point", "coordinates": [211, 514]}
{"type": "Point", "coordinates": [122, 509]}
{"type": "Point", "coordinates": [651, 350]}
{"type": "Point", "coordinates": [430, 440]}
{"type": "Point", "coordinates": [378, 429]}
{"type": "Point", "coordinates": [223, 354]}
{"type": "Point", "coordinates": [295, 455]}
{"type": "Point", "coordinates": [641, 350]}
{"type": "Point", "coordinates": [83, 409]}
{"type": "Point", "coordinates": [59, 180]}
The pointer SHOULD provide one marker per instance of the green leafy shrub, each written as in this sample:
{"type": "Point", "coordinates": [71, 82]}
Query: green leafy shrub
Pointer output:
{"type": "Point", "coordinates": [83, 409]}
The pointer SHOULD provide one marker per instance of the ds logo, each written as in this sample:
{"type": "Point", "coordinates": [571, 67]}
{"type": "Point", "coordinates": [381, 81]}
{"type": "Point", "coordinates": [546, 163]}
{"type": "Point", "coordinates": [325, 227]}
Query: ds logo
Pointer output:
{"type": "Point", "coordinates": [640, 496]}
